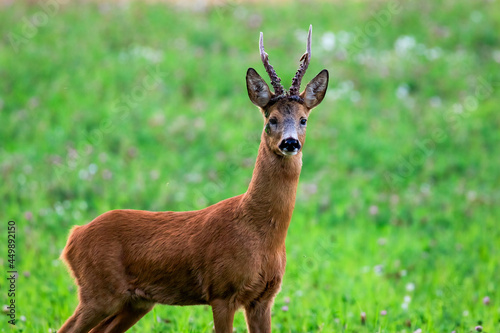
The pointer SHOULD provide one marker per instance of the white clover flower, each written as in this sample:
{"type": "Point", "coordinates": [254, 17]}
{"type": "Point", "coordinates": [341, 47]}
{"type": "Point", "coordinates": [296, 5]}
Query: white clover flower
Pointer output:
{"type": "Point", "coordinates": [410, 286]}
{"type": "Point", "coordinates": [405, 44]}
{"type": "Point", "coordinates": [328, 41]}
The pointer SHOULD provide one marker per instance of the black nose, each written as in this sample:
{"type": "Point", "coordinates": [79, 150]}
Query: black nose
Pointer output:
{"type": "Point", "coordinates": [290, 145]}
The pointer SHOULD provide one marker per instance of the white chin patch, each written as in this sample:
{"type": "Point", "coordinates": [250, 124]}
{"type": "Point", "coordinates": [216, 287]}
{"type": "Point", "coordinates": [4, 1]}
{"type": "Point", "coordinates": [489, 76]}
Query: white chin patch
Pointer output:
{"type": "Point", "coordinates": [289, 153]}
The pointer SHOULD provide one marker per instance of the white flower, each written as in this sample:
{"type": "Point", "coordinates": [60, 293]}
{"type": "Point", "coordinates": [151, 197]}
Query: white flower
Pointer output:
{"type": "Point", "coordinates": [83, 174]}
{"type": "Point", "coordinates": [402, 91]}
{"type": "Point", "coordinates": [344, 37]}
{"type": "Point", "coordinates": [471, 195]}
{"type": "Point", "coordinates": [328, 41]}
{"type": "Point", "coordinates": [355, 96]}
{"type": "Point", "coordinates": [410, 286]}
{"type": "Point", "coordinates": [378, 269]}
{"type": "Point", "coordinates": [425, 189]}
{"type": "Point", "coordinates": [476, 16]}
{"type": "Point", "coordinates": [495, 55]}
{"type": "Point", "coordinates": [435, 101]}
{"type": "Point", "coordinates": [433, 54]}
{"type": "Point", "coordinates": [404, 44]}
{"type": "Point", "coordinates": [147, 53]}
{"type": "Point", "coordinates": [92, 169]}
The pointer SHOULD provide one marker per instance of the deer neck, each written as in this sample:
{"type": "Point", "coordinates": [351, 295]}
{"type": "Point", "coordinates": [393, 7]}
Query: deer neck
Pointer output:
{"type": "Point", "coordinates": [270, 198]}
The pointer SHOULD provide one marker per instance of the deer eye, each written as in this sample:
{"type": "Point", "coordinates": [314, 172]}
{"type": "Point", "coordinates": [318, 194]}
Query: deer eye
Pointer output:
{"type": "Point", "coordinates": [303, 121]}
{"type": "Point", "coordinates": [273, 121]}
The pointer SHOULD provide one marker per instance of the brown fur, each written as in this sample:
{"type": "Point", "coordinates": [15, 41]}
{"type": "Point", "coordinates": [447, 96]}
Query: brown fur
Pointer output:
{"type": "Point", "coordinates": [228, 255]}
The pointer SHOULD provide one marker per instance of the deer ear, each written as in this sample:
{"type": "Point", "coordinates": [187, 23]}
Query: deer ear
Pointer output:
{"type": "Point", "coordinates": [258, 91]}
{"type": "Point", "coordinates": [315, 90]}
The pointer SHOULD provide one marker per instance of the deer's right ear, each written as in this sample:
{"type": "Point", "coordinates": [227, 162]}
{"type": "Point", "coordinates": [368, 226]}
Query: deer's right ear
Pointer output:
{"type": "Point", "coordinates": [258, 91]}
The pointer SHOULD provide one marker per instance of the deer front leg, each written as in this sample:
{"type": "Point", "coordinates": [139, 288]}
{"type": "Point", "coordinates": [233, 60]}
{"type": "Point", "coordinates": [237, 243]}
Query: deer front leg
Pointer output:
{"type": "Point", "coordinates": [223, 312]}
{"type": "Point", "coordinates": [258, 317]}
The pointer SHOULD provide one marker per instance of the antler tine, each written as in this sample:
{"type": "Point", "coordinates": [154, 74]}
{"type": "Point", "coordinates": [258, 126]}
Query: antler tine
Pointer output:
{"type": "Point", "coordinates": [306, 58]}
{"type": "Point", "coordinates": [308, 47]}
{"type": "Point", "coordinates": [275, 80]}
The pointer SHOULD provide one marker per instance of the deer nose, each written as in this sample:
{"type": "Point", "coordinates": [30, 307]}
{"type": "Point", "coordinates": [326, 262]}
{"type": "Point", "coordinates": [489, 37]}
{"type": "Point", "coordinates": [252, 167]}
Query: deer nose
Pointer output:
{"type": "Point", "coordinates": [290, 145]}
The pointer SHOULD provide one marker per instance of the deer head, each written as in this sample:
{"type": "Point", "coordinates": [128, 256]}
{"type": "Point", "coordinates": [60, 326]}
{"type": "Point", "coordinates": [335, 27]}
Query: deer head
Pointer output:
{"type": "Point", "coordinates": [286, 112]}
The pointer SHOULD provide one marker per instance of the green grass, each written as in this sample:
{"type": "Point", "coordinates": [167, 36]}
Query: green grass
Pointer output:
{"type": "Point", "coordinates": [376, 214]}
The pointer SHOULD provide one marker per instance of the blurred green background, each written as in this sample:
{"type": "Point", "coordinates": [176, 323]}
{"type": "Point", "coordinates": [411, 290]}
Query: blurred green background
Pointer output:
{"type": "Point", "coordinates": [144, 106]}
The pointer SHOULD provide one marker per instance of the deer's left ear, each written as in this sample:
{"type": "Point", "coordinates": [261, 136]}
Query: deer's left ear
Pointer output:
{"type": "Point", "coordinates": [315, 90]}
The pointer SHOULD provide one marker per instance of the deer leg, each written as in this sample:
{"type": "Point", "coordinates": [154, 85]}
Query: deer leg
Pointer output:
{"type": "Point", "coordinates": [223, 312]}
{"type": "Point", "coordinates": [124, 319]}
{"type": "Point", "coordinates": [258, 317]}
{"type": "Point", "coordinates": [103, 324]}
{"type": "Point", "coordinates": [83, 320]}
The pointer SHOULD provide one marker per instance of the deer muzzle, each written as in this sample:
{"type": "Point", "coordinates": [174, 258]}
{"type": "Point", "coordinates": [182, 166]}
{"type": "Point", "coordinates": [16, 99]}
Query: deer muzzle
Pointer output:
{"type": "Point", "coordinates": [290, 146]}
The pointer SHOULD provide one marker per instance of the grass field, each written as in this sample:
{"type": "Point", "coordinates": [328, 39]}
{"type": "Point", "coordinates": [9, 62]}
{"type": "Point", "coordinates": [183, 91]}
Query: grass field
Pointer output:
{"type": "Point", "coordinates": [107, 106]}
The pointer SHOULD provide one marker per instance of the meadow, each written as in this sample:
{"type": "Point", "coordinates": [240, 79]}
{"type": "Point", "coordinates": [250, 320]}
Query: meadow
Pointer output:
{"type": "Point", "coordinates": [396, 225]}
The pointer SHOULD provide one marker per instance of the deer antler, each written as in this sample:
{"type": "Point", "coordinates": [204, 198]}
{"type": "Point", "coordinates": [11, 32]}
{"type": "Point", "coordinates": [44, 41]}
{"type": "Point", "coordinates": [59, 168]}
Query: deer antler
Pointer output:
{"type": "Point", "coordinates": [275, 80]}
{"type": "Point", "coordinates": [306, 58]}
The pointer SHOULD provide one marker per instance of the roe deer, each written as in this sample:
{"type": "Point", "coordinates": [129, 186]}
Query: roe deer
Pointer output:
{"type": "Point", "coordinates": [229, 255]}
